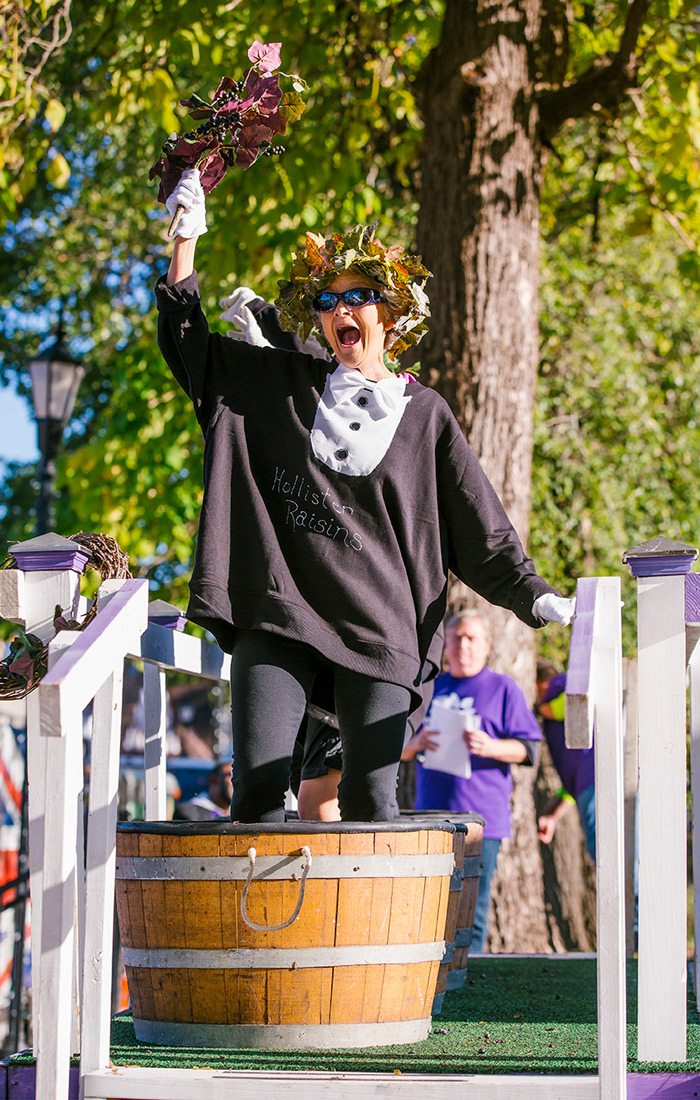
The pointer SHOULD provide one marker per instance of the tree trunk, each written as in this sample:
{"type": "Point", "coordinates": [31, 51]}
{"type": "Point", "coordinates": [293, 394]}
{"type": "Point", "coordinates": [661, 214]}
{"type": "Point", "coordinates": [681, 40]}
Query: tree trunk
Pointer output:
{"type": "Point", "coordinates": [569, 873]}
{"type": "Point", "coordinates": [478, 231]}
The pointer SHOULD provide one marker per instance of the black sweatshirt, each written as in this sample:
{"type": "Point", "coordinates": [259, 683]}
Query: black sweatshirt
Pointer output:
{"type": "Point", "coordinates": [355, 567]}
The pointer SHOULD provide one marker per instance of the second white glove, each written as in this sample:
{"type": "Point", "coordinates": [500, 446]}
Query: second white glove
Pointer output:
{"type": "Point", "coordinates": [189, 194]}
{"type": "Point", "coordinates": [237, 313]}
{"type": "Point", "coordinates": [555, 609]}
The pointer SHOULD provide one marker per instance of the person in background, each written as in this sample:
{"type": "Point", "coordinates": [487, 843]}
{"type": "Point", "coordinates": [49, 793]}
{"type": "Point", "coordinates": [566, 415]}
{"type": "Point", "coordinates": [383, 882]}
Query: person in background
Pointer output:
{"type": "Point", "coordinates": [317, 766]}
{"type": "Point", "coordinates": [213, 803]}
{"type": "Point", "coordinates": [576, 767]}
{"type": "Point", "coordinates": [502, 731]}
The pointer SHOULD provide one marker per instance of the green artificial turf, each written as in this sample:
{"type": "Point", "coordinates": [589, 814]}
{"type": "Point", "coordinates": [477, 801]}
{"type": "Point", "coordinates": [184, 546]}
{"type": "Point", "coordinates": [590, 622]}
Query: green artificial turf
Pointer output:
{"type": "Point", "coordinates": [515, 1015]}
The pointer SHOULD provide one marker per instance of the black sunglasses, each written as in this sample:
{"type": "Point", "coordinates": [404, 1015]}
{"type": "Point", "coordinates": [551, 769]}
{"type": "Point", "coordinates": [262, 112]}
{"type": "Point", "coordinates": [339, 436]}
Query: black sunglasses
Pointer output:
{"type": "Point", "coordinates": [354, 298]}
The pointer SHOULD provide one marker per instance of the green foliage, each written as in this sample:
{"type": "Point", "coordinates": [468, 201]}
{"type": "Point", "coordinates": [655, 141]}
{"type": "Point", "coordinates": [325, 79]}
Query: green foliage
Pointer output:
{"type": "Point", "coordinates": [620, 215]}
{"type": "Point", "coordinates": [18, 492]}
{"type": "Point", "coordinates": [643, 161]}
{"type": "Point", "coordinates": [138, 477]}
{"type": "Point", "coordinates": [33, 36]}
{"type": "Point", "coordinates": [132, 463]}
{"type": "Point", "coordinates": [617, 431]}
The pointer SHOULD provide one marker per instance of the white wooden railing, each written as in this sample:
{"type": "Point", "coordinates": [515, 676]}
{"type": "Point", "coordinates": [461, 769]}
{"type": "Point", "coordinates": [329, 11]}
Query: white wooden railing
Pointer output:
{"type": "Point", "coordinates": [88, 671]}
{"type": "Point", "coordinates": [88, 666]}
{"type": "Point", "coordinates": [668, 620]}
{"type": "Point", "coordinates": [165, 650]}
{"type": "Point", "coordinates": [72, 874]}
{"type": "Point", "coordinates": [594, 702]}
{"type": "Point", "coordinates": [692, 631]}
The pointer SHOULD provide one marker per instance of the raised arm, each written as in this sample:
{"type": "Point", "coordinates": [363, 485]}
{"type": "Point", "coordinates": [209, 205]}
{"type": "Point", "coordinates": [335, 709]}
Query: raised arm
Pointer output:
{"type": "Point", "coordinates": [182, 260]}
{"type": "Point", "coordinates": [189, 196]}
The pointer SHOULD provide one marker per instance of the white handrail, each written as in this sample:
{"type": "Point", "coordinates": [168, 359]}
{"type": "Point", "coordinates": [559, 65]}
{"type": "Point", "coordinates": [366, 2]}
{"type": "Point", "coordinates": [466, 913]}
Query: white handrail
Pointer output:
{"type": "Point", "coordinates": [171, 649]}
{"type": "Point", "coordinates": [71, 685]}
{"type": "Point", "coordinates": [594, 697]}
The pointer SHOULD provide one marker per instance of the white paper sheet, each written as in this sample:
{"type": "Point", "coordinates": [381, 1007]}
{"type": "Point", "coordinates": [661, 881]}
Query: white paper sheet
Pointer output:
{"type": "Point", "coordinates": [451, 754]}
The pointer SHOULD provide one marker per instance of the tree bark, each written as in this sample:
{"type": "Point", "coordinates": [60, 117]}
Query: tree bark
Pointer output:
{"type": "Point", "coordinates": [478, 231]}
{"type": "Point", "coordinates": [569, 873]}
{"type": "Point", "coordinates": [493, 93]}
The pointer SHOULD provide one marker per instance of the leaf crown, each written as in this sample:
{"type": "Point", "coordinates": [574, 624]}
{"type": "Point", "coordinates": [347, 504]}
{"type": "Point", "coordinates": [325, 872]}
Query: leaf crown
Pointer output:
{"type": "Point", "coordinates": [401, 276]}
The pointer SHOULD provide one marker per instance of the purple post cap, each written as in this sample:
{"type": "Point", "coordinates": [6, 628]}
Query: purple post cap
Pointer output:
{"type": "Point", "coordinates": [50, 551]}
{"type": "Point", "coordinates": [660, 557]}
{"type": "Point", "coordinates": [166, 614]}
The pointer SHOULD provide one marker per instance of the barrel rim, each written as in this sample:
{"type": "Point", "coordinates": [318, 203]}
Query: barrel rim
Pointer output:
{"type": "Point", "coordinates": [287, 828]}
{"type": "Point", "coordinates": [459, 826]}
{"type": "Point", "coordinates": [282, 1036]}
{"type": "Point", "coordinates": [455, 816]}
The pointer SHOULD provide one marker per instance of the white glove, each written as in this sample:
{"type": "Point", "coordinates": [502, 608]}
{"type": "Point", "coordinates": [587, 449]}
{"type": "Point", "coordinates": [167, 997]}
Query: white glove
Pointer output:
{"type": "Point", "coordinates": [311, 346]}
{"type": "Point", "coordinates": [555, 609]}
{"type": "Point", "coordinates": [236, 311]}
{"type": "Point", "coordinates": [188, 193]}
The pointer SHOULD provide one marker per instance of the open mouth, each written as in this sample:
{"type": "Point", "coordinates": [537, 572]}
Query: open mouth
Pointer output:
{"type": "Point", "coordinates": [347, 336]}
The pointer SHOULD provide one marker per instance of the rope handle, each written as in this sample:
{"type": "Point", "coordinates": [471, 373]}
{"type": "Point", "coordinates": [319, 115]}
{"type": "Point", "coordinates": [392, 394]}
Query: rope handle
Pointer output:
{"type": "Point", "coordinates": [252, 854]}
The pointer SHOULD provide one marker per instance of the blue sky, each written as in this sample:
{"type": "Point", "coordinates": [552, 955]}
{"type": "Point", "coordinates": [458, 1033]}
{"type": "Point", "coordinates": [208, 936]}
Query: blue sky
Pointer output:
{"type": "Point", "coordinates": [17, 428]}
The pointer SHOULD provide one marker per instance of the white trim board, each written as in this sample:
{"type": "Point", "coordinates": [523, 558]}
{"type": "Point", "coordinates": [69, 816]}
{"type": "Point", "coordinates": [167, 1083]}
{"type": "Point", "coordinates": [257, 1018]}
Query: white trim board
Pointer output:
{"type": "Point", "coordinates": [129, 1083]}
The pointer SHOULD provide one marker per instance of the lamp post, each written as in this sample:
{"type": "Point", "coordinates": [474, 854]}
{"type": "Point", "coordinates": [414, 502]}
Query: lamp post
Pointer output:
{"type": "Point", "coordinates": [56, 376]}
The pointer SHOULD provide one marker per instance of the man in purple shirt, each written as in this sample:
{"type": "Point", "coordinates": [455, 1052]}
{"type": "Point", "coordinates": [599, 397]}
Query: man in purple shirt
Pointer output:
{"type": "Point", "coordinates": [501, 730]}
{"type": "Point", "coordinates": [576, 767]}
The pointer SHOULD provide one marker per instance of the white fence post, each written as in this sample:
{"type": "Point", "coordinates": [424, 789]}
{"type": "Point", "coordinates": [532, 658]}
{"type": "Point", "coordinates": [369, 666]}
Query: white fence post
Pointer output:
{"type": "Point", "coordinates": [692, 634]}
{"type": "Point", "coordinates": [62, 804]}
{"type": "Point", "coordinates": [99, 873]}
{"type": "Point", "coordinates": [660, 567]}
{"type": "Point", "coordinates": [630, 773]}
{"type": "Point", "coordinates": [63, 694]}
{"type": "Point", "coordinates": [610, 845]}
{"type": "Point", "coordinates": [56, 647]}
{"type": "Point", "coordinates": [154, 721]}
{"type": "Point", "coordinates": [695, 782]}
{"type": "Point", "coordinates": [594, 702]}
{"type": "Point", "coordinates": [30, 600]}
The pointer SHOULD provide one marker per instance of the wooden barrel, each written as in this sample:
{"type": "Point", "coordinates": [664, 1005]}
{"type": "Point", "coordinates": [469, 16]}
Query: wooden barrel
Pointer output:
{"type": "Point", "coordinates": [293, 935]}
{"type": "Point", "coordinates": [471, 870]}
{"type": "Point", "coordinates": [453, 900]}
{"type": "Point", "coordinates": [468, 845]}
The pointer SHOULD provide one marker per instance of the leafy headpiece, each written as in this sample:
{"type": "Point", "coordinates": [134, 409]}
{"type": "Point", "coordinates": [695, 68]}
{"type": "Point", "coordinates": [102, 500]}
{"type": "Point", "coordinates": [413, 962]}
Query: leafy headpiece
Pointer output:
{"type": "Point", "coordinates": [401, 276]}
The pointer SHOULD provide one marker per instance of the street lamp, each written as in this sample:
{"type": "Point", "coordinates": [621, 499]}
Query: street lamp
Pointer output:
{"type": "Point", "coordinates": [56, 376]}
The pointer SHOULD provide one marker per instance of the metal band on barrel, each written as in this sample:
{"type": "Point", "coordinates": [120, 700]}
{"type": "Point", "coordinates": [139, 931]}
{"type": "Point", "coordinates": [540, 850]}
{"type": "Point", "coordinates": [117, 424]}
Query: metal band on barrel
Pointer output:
{"type": "Point", "coordinates": [463, 937]}
{"type": "Point", "coordinates": [456, 978]}
{"type": "Point", "coordinates": [472, 867]}
{"type": "Point", "coordinates": [270, 958]}
{"type": "Point", "coordinates": [456, 881]}
{"type": "Point", "coordinates": [282, 1036]}
{"type": "Point", "coordinates": [270, 868]}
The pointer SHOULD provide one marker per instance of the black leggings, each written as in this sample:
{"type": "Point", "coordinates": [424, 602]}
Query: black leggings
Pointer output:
{"type": "Point", "coordinates": [271, 681]}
